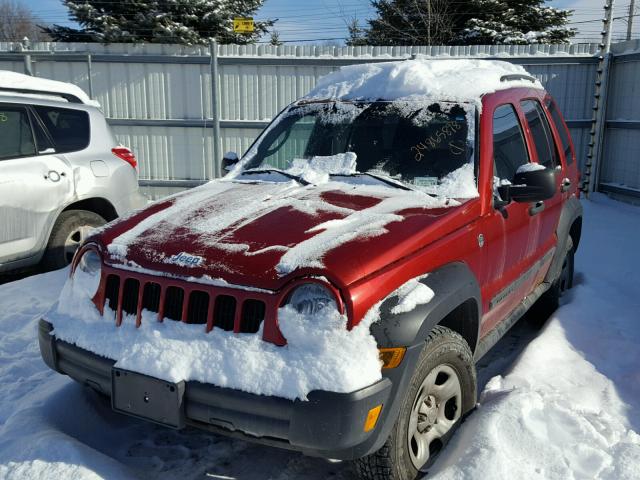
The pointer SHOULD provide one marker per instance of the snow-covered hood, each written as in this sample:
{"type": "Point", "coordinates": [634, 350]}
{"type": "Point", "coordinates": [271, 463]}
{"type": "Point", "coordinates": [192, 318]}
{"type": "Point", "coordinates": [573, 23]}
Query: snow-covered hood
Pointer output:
{"type": "Point", "coordinates": [261, 234]}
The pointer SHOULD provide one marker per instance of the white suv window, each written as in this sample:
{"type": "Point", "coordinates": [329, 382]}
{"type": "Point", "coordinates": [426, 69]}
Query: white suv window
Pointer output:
{"type": "Point", "coordinates": [69, 129]}
{"type": "Point", "coordinates": [15, 131]}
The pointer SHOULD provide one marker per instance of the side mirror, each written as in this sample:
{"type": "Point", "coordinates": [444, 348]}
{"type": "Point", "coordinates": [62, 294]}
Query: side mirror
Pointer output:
{"type": "Point", "coordinates": [531, 186]}
{"type": "Point", "coordinates": [229, 160]}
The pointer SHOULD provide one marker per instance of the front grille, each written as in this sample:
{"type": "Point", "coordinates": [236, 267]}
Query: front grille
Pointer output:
{"type": "Point", "coordinates": [111, 291]}
{"type": "Point", "coordinates": [151, 297]}
{"type": "Point", "coordinates": [198, 307]}
{"type": "Point", "coordinates": [130, 296]}
{"type": "Point", "coordinates": [224, 312]}
{"type": "Point", "coordinates": [173, 300]}
{"type": "Point", "coordinates": [183, 303]}
{"type": "Point", "coordinates": [252, 315]}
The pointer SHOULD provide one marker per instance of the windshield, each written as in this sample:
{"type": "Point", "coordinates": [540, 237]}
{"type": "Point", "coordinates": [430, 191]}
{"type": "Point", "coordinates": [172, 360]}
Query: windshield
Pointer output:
{"type": "Point", "coordinates": [414, 143]}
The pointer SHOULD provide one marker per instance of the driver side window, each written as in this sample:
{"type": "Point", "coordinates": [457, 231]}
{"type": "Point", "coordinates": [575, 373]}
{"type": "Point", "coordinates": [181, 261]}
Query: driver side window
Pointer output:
{"type": "Point", "coordinates": [290, 144]}
{"type": "Point", "coordinates": [509, 147]}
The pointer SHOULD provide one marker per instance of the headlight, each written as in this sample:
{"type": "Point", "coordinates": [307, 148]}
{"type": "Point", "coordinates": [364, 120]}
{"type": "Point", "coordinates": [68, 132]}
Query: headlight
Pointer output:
{"type": "Point", "coordinates": [311, 299]}
{"type": "Point", "coordinates": [87, 273]}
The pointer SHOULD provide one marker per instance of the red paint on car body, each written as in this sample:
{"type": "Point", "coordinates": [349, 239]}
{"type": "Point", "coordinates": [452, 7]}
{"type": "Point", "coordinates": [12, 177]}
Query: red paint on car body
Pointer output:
{"type": "Point", "coordinates": [365, 270]}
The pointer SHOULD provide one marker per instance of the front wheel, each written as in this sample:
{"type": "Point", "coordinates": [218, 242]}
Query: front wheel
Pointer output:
{"type": "Point", "coordinates": [71, 228]}
{"type": "Point", "coordinates": [442, 390]}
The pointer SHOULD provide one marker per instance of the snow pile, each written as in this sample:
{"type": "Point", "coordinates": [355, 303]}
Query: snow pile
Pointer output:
{"type": "Point", "coordinates": [321, 354]}
{"type": "Point", "coordinates": [318, 169]}
{"type": "Point", "coordinates": [460, 183]}
{"type": "Point", "coordinates": [412, 294]}
{"type": "Point", "coordinates": [462, 80]}
{"type": "Point", "coordinates": [10, 79]}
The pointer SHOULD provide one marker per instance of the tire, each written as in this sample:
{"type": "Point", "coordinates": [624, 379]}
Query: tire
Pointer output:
{"type": "Point", "coordinates": [69, 231]}
{"type": "Point", "coordinates": [550, 300]}
{"type": "Point", "coordinates": [446, 358]}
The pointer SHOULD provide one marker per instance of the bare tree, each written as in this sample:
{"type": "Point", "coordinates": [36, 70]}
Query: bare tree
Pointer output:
{"type": "Point", "coordinates": [17, 22]}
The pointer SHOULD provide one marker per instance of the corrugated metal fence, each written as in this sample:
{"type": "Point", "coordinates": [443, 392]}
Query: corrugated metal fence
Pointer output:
{"type": "Point", "coordinates": [158, 98]}
{"type": "Point", "coordinates": [619, 171]}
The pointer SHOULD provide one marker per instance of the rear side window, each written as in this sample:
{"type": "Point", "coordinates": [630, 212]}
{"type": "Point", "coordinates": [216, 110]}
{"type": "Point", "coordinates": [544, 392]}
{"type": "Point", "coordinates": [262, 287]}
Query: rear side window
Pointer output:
{"type": "Point", "coordinates": [541, 133]}
{"type": "Point", "coordinates": [562, 130]}
{"type": "Point", "coordinates": [15, 133]}
{"type": "Point", "coordinates": [69, 129]}
{"type": "Point", "coordinates": [509, 148]}
{"type": "Point", "coordinates": [43, 142]}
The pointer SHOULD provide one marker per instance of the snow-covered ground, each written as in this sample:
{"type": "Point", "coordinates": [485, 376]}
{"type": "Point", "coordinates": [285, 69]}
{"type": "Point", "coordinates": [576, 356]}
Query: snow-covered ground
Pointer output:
{"type": "Point", "coordinates": [567, 405]}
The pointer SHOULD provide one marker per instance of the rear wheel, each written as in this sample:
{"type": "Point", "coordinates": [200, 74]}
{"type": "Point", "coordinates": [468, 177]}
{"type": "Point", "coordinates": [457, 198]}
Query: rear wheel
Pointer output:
{"type": "Point", "coordinates": [550, 300]}
{"type": "Point", "coordinates": [442, 390]}
{"type": "Point", "coordinates": [71, 228]}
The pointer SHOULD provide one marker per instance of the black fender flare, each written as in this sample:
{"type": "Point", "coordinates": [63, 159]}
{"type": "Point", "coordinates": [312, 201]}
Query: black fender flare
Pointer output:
{"type": "Point", "coordinates": [453, 285]}
{"type": "Point", "coordinates": [571, 211]}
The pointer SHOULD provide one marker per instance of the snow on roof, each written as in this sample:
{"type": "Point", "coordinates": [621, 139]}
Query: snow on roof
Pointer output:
{"type": "Point", "coordinates": [460, 80]}
{"type": "Point", "coordinates": [26, 82]}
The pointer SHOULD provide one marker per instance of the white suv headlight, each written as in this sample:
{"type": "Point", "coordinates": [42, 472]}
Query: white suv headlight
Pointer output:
{"type": "Point", "coordinates": [87, 273]}
{"type": "Point", "coordinates": [311, 299]}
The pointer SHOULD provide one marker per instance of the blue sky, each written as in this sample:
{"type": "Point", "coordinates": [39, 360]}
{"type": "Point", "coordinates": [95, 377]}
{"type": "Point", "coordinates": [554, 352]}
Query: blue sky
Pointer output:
{"type": "Point", "coordinates": [327, 19]}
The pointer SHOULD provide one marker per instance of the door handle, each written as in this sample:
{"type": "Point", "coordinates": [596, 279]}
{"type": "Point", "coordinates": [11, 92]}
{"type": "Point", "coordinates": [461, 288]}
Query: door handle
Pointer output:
{"type": "Point", "coordinates": [536, 208]}
{"type": "Point", "coordinates": [566, 184]}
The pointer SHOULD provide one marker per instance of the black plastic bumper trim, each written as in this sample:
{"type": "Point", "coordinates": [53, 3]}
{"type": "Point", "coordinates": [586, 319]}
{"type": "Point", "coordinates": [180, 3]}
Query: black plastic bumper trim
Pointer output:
{"type": "Point", "coordinates": [328, 424]}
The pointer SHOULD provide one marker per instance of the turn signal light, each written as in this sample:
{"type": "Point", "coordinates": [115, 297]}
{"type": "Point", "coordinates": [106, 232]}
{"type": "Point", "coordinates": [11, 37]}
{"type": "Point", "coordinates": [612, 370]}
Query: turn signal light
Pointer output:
{"type": "Point", "coordinates": [372, 418]}
{"type": "Point", "coordinates": [391, 357]}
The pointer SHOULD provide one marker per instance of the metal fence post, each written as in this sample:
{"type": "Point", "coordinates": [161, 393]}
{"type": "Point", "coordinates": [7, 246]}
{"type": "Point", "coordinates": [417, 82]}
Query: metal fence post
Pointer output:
{"type": "Point", "coordinates": [89, 74]}
{"type": "Point", "coordinates": [594, 180]}
{"type": "Point", "coordinates": [599, 118]}
{"type": "Point", "coordinates": [215, 114]}
{"type": "Point", "coordinates": [25, 45]}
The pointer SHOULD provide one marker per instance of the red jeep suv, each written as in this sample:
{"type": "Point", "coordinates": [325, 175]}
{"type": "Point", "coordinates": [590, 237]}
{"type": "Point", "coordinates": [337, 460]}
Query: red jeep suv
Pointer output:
{"type": "Point", "coordinates": [333, 292]}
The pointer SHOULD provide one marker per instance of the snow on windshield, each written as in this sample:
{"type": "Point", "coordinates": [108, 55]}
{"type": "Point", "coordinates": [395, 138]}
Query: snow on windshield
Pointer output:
{"type": "Point", "coordinates": [318, 169]}
{"type": "Point", "coordinates": [417, 144]}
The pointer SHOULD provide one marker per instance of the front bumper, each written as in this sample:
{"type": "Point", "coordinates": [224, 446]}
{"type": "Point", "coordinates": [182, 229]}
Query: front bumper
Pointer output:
{"type": "Point", "coordinates": [329, 424]}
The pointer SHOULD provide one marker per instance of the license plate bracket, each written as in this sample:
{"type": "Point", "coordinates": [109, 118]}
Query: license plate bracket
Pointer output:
{"type": "Point", "coordinates": [148, 398]}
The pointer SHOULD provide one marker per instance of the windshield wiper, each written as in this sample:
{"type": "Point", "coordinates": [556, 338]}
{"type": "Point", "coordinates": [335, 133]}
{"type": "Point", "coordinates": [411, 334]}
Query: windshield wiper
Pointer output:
{"type": "Point", "coordinates": [298, 179]}
{"type": "Point", "coordinates": [381, 178]}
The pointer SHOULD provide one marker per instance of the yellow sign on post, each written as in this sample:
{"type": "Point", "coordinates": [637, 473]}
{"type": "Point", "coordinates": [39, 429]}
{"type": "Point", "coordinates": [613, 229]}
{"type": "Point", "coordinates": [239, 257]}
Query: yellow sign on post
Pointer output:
{"type": "Point", "coordinates": [243, 25]}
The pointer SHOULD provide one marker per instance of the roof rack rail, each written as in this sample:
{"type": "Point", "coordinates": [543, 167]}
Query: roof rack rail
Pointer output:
{"type": "Point", "coordinates": [517, 76]}
{"type": "Point", "coordinates": [67, 96]}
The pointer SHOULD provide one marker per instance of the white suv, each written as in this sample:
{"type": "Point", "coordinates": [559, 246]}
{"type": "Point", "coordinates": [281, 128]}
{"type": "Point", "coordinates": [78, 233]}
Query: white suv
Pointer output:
{"type": "Point", "coordinates": [62, 171]}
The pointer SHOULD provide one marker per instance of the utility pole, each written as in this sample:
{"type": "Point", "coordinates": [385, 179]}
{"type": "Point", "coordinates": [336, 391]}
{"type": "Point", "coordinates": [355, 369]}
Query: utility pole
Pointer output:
{"type": "Point", "coordinates": [632, 8]}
